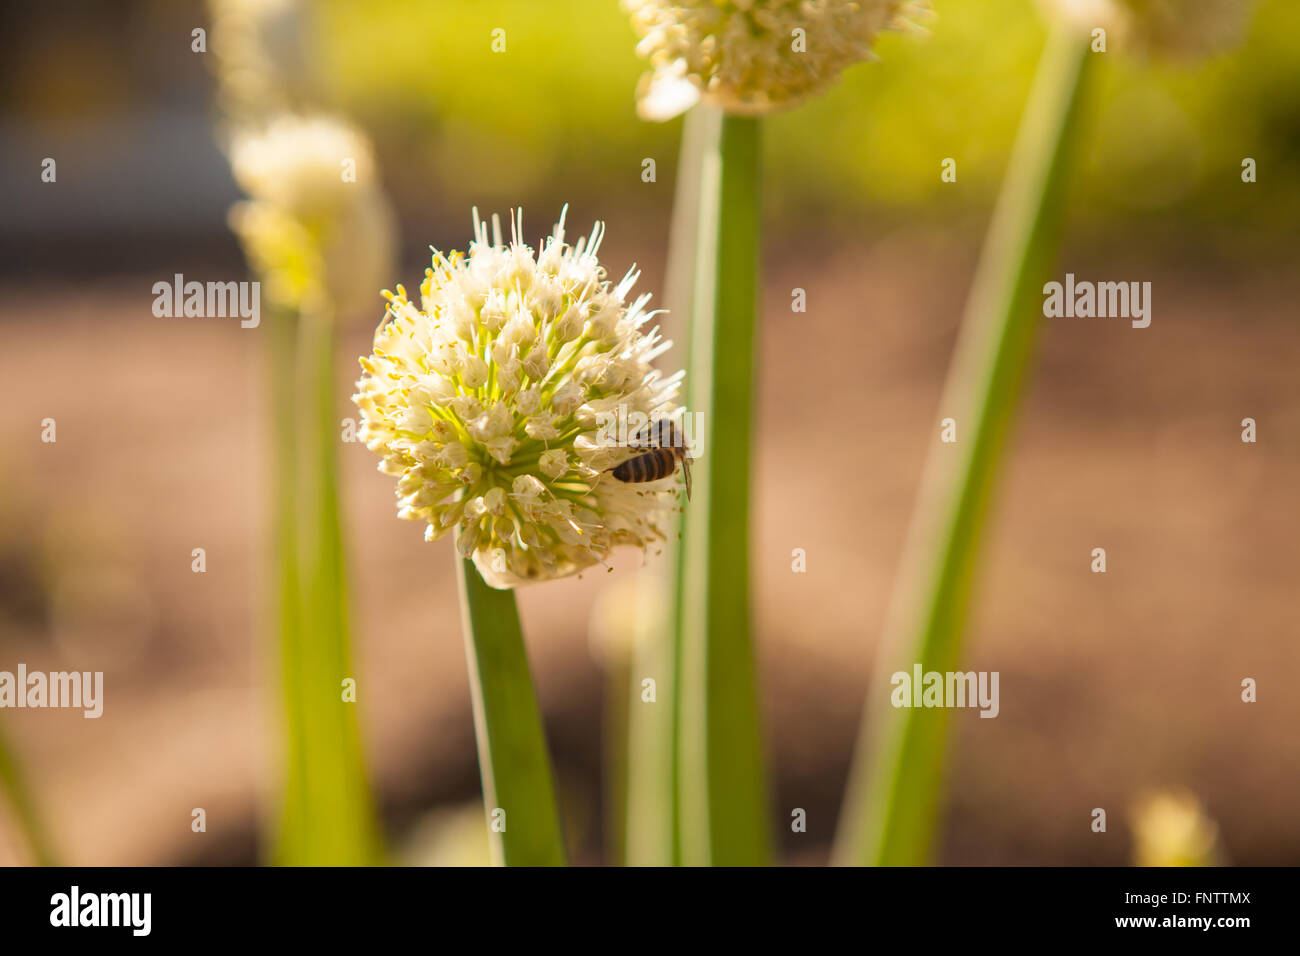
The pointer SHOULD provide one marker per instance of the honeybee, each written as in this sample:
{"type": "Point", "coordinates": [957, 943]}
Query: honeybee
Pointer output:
{"type": "Point", "coordinates": [664, 447]}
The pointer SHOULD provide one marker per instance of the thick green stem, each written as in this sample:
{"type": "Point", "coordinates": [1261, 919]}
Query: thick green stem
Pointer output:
{"type": "Point", "coordinates": [518, 796]}
{"type": "Point", "coordinates": [722, 787]}
{"type": "Point", "coordinates": [653, 810]}
{"type": "Point", "coordinates": [329, 813]}
{"type": "Point", "coordinates": [891, 806]}
{"type": "Point", "coordinates": [282, 330]}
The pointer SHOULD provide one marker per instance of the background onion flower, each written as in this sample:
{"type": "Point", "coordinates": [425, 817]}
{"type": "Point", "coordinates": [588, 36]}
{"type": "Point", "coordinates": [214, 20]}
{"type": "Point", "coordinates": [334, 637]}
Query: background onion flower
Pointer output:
{"type": "Point", "coordinates": [263, 60]}
{"type": "Point", "coordinates": [1168, 27]}
{"type": "Point", "coordinates": [745, 56]}
{"type": "Point", "coordinates": [316, 218]}
{"type": "Point", "coordinates": [318, 232]}
{"type": "Point", "coordinates": [485, 402]}
{"type": "Point", "coordinates": [1172, 828]}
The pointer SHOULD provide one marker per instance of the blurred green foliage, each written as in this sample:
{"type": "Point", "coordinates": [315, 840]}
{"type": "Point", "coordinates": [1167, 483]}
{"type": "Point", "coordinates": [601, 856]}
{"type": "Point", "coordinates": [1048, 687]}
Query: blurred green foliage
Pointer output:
{"type": "Point", "coordinates": [552, 117]}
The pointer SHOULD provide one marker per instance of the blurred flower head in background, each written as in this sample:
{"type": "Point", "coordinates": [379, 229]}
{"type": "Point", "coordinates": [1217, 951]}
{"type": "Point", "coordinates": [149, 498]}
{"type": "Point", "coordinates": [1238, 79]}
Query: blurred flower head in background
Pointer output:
{"type": "Point", "coordinates": [317, 229]}
{"type": "Point", "coordinates": [484, 403]}
{"type": "Point", "coordinates": [296, 163]}
{"type": "Point", "coordinates": [317, 220]}
{"type": "Point", "coordinates": [1171, 828]}
{"type": "Point", "coordinates": [751, 56]}
{"type": "Point", "coordinates": [1167, 27]}
{"type": "Point", "coordinates": [261, 50]}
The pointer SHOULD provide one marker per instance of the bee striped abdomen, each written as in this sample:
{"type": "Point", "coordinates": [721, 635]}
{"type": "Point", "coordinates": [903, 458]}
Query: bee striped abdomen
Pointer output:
{"type": "Point", "coordinates": [653, 465]}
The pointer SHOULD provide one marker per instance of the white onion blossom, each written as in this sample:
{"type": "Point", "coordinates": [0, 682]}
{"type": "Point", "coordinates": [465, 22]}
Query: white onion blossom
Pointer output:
{"type": "Point", "coordinates": [484, 402]}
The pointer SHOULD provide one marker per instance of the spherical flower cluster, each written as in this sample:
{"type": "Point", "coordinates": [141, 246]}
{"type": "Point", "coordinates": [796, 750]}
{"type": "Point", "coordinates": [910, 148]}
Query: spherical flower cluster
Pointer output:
{"type": "Point", "coordinates": [297, 163]}
{"type": "Point", "coordinates": [487, 401]}
{"type": "Point", "coordinates": [751, 56]}
{"type": "Point", "coordinates": [316, 219]}
{"type": "Point", "coordinates": [1186, 28]}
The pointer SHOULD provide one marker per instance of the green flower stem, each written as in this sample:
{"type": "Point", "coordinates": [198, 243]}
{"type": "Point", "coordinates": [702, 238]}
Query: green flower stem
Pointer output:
{"type": "Point", "coordinates": [25, 814]}
{"type": "Point", "coordinates": [619, 695]}
{"type": "Point", "coordinates": [329, 817]}
{"type": "Point", "coordinates": [293, 837]}
{"type": "Point", "coordinates": [653, 811]}
{"type": "Point", "coordinates": [891, 806]}
{"type": "Point", "coordinates": [518, 796]}
{"type": "Point", "coordinates": [722, 787]}
{"type": "Point", "coordinates": [650, 837]}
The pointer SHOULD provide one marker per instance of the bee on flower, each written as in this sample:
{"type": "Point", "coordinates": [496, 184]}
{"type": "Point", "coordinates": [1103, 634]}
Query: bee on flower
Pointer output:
{"type": "Point", "coordinates": [484, 402]}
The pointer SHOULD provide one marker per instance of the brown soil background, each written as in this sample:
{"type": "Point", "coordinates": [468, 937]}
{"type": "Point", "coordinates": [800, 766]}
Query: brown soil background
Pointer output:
{"type": "Point", "coordinates": [1110, 684]}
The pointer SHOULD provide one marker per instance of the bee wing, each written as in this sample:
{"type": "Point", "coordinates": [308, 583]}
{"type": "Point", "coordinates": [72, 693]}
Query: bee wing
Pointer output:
{"type": "Point", "coordinates": [660, 433]}
{"type": "Point", "coordinates": [647, 436]}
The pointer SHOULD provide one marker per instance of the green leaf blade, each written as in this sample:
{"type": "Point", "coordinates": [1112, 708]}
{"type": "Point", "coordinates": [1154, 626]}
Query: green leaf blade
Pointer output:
{"type": "Point", "coordinates": [890, 810]}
